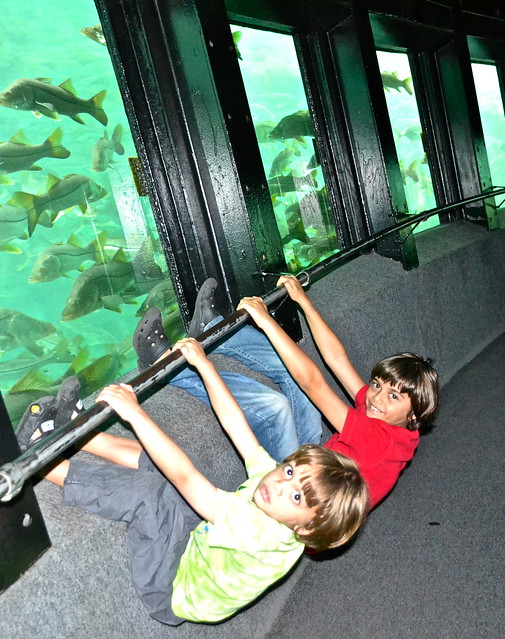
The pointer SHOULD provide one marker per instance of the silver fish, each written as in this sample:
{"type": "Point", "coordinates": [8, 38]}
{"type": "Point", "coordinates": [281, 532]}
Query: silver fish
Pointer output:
{"type": "Point", "coordinates": [105, 148]}
{"type": "Point", "coordinates": [61, 258]}
{"type": "Point", "coordinates": [106, 285]}
{"type": "Point", "coordinates": [16, 368]}
{"type": "Point", "coordinates": [41, 97]}
{"type": "Point", "coordinates": [18, 155]}
{"type": "Point", "coordinates": [61, 194]}
{"type": "Point", "coordinates": [18, 330]}
{"type": "Point", "coordinates": [13, 225]}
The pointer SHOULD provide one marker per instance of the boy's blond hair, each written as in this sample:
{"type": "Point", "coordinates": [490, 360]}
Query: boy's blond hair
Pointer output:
{"type": "Point", "coordinates": [335, 487]}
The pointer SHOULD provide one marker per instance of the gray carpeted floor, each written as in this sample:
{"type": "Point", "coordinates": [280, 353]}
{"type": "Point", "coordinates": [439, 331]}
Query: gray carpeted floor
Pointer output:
{"type": "Point", "coordinates": [430, 563]}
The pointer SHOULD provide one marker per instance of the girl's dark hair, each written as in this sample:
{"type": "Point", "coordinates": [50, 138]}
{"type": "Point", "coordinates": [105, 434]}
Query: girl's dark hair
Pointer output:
{"type": "Point", "coordinates": [414, 375]}
{"type": "Point", "coordinates": [334, 486]}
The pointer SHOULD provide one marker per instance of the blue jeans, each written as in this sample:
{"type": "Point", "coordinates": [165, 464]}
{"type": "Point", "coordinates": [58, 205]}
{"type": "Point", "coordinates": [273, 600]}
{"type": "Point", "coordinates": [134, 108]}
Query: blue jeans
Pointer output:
{"type": "Point", "coordinates": [281, 421]}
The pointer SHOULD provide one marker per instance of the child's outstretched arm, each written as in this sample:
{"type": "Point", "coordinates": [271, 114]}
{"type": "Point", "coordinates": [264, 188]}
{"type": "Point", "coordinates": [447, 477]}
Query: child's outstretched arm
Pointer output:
{"type": "Point", "coordinates": [229, 413]}
{"type": "Point", "coordinates": [302, 368]}
{"type": "Point", "coordinates": [165, 453]}
{"type": "Point", "coordinates": [329, 345]}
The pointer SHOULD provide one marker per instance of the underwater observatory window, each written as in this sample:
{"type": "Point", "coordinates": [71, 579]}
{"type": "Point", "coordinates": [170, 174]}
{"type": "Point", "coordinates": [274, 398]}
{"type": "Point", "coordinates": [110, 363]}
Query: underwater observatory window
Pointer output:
{"type": "Point", "coordinates": [80, 252]}
{"type": "Point", "coordinates": [489, 98]}
{"type": "Point", "coordinates": [285, 137]}
{"type": "Point", "coordinates": [403, 113]}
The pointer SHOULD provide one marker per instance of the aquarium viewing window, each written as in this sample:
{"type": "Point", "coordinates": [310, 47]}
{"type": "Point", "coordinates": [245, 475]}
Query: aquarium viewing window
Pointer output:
{"type": "Point", "coordinates": [80, 253]}
{"type": "Point", "coordinates": [487, 87]}
{"type": "Point", "coordinates": [285, 136]}
{"type": "Point", "coordinates": [408, 135]}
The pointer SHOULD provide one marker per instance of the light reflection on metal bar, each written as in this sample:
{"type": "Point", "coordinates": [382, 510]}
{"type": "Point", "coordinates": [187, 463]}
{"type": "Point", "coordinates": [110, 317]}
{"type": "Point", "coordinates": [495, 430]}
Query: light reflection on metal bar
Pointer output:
{"type": "Point", "coordinates": [15, 473]}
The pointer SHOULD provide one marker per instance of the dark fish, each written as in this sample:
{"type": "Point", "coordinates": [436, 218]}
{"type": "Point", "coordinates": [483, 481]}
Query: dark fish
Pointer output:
{"type": "Point", "coordinates": [107, 285]}
{"type": "Point", "coordinates": [61, 258]}
{"type": "Point", "coordinates": [392, 81]}
{"type": "Point", "coordinates": [161, 296]}
{"type": "Point", "coordinates": [18, 155]}
{"type": "Point", "coordinates": [287, 183]}
{"type": "Point", "coordinates": [105, 148]}
{"type": "Point", "coordinates": [61, 194]}
{"type": "Point", "coordinates": [296, 125]}
{"type": "Point", "coordinates": [42, 97]}
{"type": "Point", "coordinates": [411, 171]}
{"type": "Point", "coordinates": [18, 330]}
{"type": "Point", "coordinates": [281, 162]}
{"type": "Point", "coordinates": [95, 33]}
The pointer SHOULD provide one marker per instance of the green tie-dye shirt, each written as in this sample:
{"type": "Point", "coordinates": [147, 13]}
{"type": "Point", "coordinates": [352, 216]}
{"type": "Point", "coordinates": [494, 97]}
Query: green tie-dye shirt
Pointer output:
{"type": "Point", "coordinates": [229, 563]}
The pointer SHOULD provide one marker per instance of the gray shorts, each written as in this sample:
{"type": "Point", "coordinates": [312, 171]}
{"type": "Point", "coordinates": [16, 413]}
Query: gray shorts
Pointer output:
{"type": "Point", "coordinates": [157, 518]}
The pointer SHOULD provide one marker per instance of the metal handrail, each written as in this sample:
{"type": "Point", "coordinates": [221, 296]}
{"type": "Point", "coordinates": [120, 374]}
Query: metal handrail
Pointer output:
{"type": "Point", "coordinates": [15, 473]}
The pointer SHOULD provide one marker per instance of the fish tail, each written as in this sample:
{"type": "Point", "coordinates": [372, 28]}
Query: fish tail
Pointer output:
{"type": "Point", "coordinates": [54, 141]}
{"type": "Point", "coordinates": [408, 85]}
{"type": "Point", "coordinates": [28, 203]}
{"type": "Point", "coordinates": [116, 139]}
{"type": "Point", "coordinates": [98, 113]}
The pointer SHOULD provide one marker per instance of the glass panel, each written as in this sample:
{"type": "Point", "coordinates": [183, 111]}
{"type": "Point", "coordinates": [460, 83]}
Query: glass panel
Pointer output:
{"type": "Point", "coordinates": [285, 135]}
{"type": "Point", "coordinates": [406, 125]}
{"type": "Point", "coordinates": [80, 255]}
{"type": "Point", "coordinates": [490, 101]}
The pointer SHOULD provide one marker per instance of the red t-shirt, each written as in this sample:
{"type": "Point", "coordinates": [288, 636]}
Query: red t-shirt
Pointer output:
{"type": "Point", "coordinates": [380, 450]}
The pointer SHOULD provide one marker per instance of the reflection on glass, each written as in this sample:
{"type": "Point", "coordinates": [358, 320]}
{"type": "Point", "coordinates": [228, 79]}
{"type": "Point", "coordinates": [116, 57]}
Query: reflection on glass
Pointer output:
{"type": "Point", "coordinates": [285, 136]}
{"type": "Point", "coordinates": [80, 254]}
{"type": "Point", "coordinates": [490, 101]}
{"type": "Point", "coordinates": [406, 125]}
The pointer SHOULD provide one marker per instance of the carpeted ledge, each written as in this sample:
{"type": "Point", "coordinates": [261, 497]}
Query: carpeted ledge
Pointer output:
{"type": "Point", "coordinates": [429, 563]}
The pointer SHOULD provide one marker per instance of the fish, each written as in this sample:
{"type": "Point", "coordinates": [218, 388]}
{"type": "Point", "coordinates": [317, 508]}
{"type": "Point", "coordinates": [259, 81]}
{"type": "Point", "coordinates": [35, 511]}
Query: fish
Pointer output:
{"type": "Point", "coordinates": [18, 155]}
{"type": "Point", "coordinates": [411, 171]}
{"type": "Point", "coordinates": [412, 133]}
{"type": "Point", "coordinates": [95, 33]}
{"type": "Point", "coordinates": [281, 162]}
{"type": "Point", "coordinates": [287, 183]}
{"type": "Point", "coordinates": [63, 352]}
{"type": "Point", "coordinates": [13, 226]}
{"type": "Point", "coordinates": [108, 285]}
{"type": "Point", "coordinates": [297, 125]}
{"type": "Point", "coordinates": [392, 81]}
{"type": "Point", "coordinates": [61, 194]}
{"type": "Point", "coordinates": [263, 128]}
{"type": "Point", "coordinates": [105, 148]}
{"type": "Point", "coordinates": [43, 98]}
{"type": "Point", "coordinates": [35, 384]}
{"type": "Point", "coordinates": [237, 36]}
{"type": "Point", "coordinates": [18, 330]}
{"type": "Point", "coordinates": [105, 369]}
{"type": "Point", "coordinates": [59, 259]}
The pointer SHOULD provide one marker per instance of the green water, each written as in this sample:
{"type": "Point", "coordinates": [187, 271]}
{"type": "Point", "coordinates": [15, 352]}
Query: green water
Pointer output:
{"type": "Point", "coordinates": [79, 315]}
{"type": "Point", "coordinates": [285, 136]}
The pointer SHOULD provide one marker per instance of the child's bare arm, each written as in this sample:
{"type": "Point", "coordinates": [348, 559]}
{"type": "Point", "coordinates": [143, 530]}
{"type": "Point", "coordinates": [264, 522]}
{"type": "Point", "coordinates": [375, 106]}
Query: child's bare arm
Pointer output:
{"type": "Point", "coordinates": [229, 413]}
{"type": "Point", "coordinates": [329, 345]}
{"type": "Point", "coordinates": [165, 453]}
{"type": "Point", "coordinates": [303, 369]}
